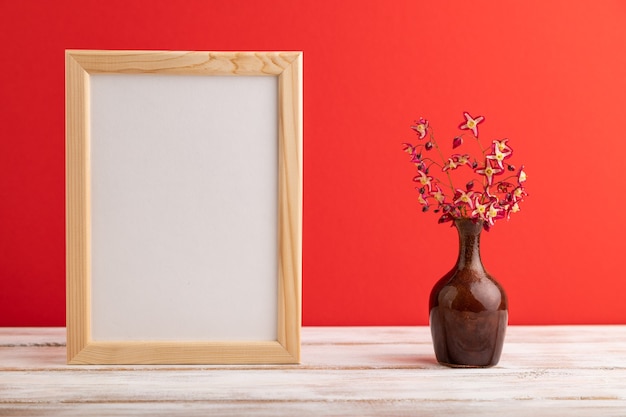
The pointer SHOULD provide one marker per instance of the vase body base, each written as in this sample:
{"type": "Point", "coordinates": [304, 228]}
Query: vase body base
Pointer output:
{"type": "Point", "coordinates": [467, 339]}
{"type": "Point", "coordinates": [455, 365]}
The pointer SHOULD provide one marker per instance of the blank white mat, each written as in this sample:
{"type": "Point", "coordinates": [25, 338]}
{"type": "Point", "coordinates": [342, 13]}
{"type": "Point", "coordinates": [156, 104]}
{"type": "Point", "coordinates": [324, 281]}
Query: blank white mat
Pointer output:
{"type": "Point", "coordinates": [183, 207]}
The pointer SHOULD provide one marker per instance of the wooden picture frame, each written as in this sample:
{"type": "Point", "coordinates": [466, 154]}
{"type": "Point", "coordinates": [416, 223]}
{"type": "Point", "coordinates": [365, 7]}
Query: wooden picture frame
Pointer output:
{"type": "Point", "coordinates": [87, 171]}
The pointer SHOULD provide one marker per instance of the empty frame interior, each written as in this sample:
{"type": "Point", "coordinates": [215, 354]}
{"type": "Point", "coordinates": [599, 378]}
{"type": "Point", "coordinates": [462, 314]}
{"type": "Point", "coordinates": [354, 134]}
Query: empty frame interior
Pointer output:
{"type": "Point", "coordinates": [184, 175]}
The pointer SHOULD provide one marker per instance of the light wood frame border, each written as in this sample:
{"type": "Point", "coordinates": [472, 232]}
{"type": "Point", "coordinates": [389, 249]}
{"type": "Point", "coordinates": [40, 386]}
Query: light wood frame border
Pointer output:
{"type": "Point", "coordinates": [287, 66]}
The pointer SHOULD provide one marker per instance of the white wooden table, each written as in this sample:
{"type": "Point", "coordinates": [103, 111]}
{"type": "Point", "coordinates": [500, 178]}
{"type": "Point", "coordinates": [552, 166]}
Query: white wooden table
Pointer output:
{"type": "Point", "coordinates": [345, 371]}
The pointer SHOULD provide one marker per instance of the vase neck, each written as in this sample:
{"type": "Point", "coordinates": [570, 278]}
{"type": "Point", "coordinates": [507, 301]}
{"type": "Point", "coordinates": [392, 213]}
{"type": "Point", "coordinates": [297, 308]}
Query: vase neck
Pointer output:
{"type": "Point", "coordinates": [469, 244]}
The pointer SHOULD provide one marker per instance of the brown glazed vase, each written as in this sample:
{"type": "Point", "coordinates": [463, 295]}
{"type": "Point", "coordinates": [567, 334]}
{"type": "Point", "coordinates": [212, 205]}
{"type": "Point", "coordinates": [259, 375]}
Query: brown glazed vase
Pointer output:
{"type": "Point", "coordinates": [468, 308]}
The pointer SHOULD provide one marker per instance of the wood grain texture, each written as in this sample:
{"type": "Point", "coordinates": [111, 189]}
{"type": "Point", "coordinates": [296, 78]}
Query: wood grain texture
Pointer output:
{"type": "Point", "coordinates": [290, 171]}
{"type": "Point", "coordinates": [364, 371]}
{"type": "Point", "coordinates": [78, 251]}
{"type": "Point", "coordinates": [185, 62]}
{"type": "Point", "coordinates": [287, 66]}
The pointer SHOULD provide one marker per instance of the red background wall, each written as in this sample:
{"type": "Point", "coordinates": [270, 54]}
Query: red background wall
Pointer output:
{"type": "Point", "coordinates": [550, 75]}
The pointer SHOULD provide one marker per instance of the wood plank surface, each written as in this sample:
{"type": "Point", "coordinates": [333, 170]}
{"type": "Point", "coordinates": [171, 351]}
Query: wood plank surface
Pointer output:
{"type": "Point", "coordinates": [345, 371]}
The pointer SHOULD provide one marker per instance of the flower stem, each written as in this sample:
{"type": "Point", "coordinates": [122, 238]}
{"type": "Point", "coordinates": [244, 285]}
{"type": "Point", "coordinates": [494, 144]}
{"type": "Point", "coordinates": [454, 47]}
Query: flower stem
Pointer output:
{"type": "Point", "coordinates": [443, 159]}
{"type": "Point", "coordinates": [482, 149]}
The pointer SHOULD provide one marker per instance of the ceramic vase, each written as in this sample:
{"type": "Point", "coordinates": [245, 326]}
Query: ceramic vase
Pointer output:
{"type": "Point", "coordinates": [468, 307]}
